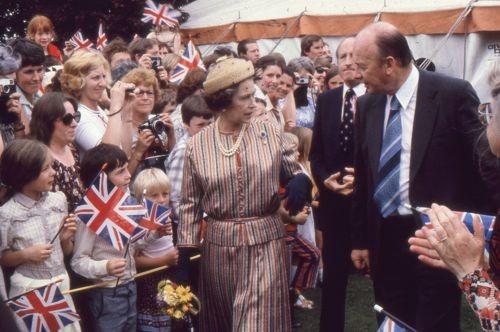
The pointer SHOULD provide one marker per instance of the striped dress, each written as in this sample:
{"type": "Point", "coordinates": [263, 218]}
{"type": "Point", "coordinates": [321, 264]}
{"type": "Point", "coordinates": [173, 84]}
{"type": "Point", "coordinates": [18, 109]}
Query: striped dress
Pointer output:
{"type": "Point", "coordinates": [244, 271]}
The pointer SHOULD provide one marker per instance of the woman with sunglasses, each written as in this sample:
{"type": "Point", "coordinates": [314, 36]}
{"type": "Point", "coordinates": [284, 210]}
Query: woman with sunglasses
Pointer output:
{"type": "Point", "coordinates": [54, 121]}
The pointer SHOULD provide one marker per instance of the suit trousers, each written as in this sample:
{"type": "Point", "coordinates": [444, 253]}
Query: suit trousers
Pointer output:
{"type": "Point", "coordinates": [423, 297]}
{"type": "Point", "coordinates": [337, 262]}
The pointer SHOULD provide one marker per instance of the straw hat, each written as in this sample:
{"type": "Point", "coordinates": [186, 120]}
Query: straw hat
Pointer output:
{"type": "Point", "coordinates": [226, 72]}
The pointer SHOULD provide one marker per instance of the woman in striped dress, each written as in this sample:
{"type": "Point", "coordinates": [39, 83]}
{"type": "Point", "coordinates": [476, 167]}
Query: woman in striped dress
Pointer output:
{"type": "Point", "coordinates": [232, 173]}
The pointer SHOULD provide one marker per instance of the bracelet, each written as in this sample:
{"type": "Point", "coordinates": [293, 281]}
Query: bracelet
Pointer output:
{"type": "Point", "coordinates": [115, 113]}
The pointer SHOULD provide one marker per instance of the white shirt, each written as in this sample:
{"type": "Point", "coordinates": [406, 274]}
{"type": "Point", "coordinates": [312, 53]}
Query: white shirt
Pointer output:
{"type": "Point", "coordinates": [407, 97]}
{"type": "Point", "coordinates": [359, 90]}
{"type": "Point", "coordinates": [91, 127]}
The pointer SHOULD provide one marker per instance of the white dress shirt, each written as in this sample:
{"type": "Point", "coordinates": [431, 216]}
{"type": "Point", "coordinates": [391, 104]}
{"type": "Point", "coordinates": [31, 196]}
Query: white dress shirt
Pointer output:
{"type": "Point", "coordinates": [407, 97]}
{"type": "Point", "coordinates": [359, 90]}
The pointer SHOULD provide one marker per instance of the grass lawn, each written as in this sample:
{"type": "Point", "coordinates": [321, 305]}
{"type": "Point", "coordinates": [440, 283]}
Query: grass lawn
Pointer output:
{"type": "Point", "coordinates": [359, 313]}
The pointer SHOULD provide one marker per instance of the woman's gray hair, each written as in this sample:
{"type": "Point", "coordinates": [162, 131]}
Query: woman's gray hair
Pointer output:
{"type": "Point", "coordinates": [9, 61]}
{"type": "Point", "coordinates": [302, 62]}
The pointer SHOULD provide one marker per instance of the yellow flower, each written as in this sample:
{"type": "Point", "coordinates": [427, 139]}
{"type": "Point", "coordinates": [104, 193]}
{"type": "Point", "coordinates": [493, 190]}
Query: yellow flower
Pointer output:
{"type": "Point", "coordinates": [178, 314]}
{"type": "Point", "coordinates": [170, 311]}
{"type": "Point", "coordinates": [185, 308]}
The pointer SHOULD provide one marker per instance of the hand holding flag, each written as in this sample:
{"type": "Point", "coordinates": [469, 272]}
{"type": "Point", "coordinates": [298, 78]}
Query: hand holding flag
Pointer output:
{"type": "Point", "coordinates": [448, 242]}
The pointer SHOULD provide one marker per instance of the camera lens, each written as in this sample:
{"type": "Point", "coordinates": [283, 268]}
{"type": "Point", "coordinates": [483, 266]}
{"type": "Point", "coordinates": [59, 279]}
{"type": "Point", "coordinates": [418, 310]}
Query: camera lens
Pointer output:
{"type": "Point", "coordinates": [159, 126]}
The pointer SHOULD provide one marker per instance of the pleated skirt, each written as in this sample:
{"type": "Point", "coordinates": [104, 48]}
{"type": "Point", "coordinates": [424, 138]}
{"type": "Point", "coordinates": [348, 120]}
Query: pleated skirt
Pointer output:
{"type": "Point", "coordinates": [245, 288]}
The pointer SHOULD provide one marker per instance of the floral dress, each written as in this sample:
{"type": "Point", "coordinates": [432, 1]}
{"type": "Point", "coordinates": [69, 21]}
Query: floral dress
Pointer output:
{"type": "Point", "coordinates": [483, 297]}
{"type": "Point", "coordinates": [67, 180]}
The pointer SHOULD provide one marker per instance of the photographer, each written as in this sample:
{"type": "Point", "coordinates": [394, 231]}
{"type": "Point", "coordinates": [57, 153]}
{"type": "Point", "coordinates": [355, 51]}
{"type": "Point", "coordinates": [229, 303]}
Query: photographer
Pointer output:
{"type": "Point", "coordinates": [305, 99]}
{"type": "Point", "coordinates": [146, 53]}
{"type": "Point", "coordinates": [147, 138]}
{"type": "Point", "coordinates": [12, 120]}
{"type": "Point", "coordinates": [30, 75]}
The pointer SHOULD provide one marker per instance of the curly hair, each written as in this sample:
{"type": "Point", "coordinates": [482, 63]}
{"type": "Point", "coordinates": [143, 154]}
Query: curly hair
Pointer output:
{"type": "Point", "coordinates": [142, 76]}
{"type": "Point", "coordinates": [77, 67]}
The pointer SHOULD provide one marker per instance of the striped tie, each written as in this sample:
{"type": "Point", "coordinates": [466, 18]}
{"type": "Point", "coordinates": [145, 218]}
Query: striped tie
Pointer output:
{"type": "Point", "coordinates": [387, 194]}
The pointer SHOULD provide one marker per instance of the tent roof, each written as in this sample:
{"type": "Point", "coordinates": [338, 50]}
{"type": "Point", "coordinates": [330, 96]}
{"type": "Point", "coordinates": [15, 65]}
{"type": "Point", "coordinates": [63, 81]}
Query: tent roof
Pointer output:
{"type": "Point", "coordinates": [229, 20]}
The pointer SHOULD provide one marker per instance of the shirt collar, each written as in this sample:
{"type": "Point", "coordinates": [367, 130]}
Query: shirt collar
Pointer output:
{"type": "Point", "coordinates": [408, 88]}
{"type": "Point", "coordinates": [359, 89]}
{"type": "Point", "coordinates": [28, 202]}
{"type": "Point", "coordinates": [23, 100]}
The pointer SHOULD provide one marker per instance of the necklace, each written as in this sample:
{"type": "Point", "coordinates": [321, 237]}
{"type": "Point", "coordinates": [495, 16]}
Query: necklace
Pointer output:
{"type": "Point", "coordinates": [232, 150]}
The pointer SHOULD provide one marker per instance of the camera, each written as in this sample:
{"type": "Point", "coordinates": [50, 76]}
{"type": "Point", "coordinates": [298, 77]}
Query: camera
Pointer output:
{"type": "Point", "coordinates": [155, 62]}
{"type": "Point", "coordinates": [157, 127]}
{"type": "Point", "coordinates": [157, 153]}
{"type": "Point", "coordinates": [302, 80]}
{"type": "Point", "coordinates": [7, 87]}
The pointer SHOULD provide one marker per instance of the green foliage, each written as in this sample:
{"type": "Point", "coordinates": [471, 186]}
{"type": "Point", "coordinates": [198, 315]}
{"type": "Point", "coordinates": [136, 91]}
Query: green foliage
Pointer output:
{"type": "Point", "coordinates": [120, 17]}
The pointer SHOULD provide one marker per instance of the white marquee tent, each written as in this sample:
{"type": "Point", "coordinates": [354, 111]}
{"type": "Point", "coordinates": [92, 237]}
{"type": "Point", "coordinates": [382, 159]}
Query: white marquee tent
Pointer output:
{"type": "Point", "coordinates": [466, 54]}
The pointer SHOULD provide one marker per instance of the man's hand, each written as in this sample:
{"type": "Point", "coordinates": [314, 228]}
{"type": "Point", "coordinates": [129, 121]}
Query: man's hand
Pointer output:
{"type": "Point", "coordinates": [361, 259]}
{"type": "Point", "coordinates": [344, 187]}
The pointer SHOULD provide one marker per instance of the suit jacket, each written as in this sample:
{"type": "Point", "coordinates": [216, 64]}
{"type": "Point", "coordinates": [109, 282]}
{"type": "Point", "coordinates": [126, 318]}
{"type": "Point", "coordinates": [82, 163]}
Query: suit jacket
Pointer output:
{"type": "Point", "coordinates": [326, 158]}
{"type": "Point", "coordinates": [442, 168]}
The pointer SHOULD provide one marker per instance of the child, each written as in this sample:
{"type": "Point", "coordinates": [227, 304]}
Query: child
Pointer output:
{"type": "Point", "coordinates": [31, 218]}
{"type": "Point", "coordinates": [41, 31]}
{"type": "Point", "coordinates": [110, 308]}
{"type": "Point", "coordinates": [195, 115]}
{"type": "Point", "coordinates": [153, 184]}
{"type": "Point", "coordinates": [300, 231]}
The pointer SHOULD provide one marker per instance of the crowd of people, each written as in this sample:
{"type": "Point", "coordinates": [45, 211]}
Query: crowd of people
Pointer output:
{"type": "Point", "coordinates": [281, 177]}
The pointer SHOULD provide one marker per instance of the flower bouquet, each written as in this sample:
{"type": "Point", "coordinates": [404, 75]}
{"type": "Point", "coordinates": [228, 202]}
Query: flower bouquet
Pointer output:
{"type": "Point", "coordinates": [178, 302]}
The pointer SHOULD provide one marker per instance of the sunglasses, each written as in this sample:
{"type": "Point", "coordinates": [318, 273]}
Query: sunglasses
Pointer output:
{"type": "Point", "coordinates": [68, 118]}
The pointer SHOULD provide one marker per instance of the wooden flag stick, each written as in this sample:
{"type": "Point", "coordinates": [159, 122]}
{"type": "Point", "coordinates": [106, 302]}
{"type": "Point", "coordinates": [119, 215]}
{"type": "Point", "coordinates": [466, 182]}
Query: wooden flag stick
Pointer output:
{"type": "Point", "coordinates": [107, 282]}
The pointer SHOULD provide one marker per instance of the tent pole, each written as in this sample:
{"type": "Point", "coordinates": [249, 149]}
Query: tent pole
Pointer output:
{"type": "Point", "coordinates": [453, 28]}
{"type": "Point", "coordinates": [287, 30]}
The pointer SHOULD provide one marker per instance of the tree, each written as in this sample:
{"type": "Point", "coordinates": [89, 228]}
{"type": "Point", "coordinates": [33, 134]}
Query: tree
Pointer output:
{"type": "Point", "coordinates": [120, 17]}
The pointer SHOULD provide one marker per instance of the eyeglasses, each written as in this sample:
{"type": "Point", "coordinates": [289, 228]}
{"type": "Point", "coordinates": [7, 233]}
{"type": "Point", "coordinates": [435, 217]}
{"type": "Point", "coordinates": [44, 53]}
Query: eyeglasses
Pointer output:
{"type": "Point", "coordinates": [485, 113]}
{"type": "Point", "coordinates": [67, 119]}
{"type": "Point", "coordinates": [149, 94]}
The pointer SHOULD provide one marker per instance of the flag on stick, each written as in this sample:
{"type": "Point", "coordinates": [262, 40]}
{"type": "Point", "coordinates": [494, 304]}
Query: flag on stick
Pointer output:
{"type": "Point", "coordinates": [160, 14]}
{"type": "Point", "coordinates": [79, 42]}
{"type": "Point", "coordinates": [110, 212]}
{"type": "Point", "coordinates": [102, 40]}
{"type": "Point", "coordinates": [189, 60]}
{"type": "Point", "coordinates": [43, 309]}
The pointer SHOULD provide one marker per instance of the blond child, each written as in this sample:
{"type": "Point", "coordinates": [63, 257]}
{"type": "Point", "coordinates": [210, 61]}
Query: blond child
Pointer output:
{"type": "Point", "coordinates": [154, 185]}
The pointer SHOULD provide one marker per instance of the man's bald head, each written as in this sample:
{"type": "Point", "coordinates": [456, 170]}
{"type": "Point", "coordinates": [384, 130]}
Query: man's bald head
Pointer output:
{"type": "Point", "coordinates": [388, 41]}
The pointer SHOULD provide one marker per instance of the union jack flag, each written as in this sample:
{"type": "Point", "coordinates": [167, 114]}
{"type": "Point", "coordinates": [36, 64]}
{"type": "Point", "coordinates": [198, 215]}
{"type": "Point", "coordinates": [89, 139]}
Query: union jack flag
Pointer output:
{"type": "Point", "coordinates": [190, 59]}
{"type": "Point", "coordinates": [79, 42]}
{"type": "Point", "coordinates": [388, 325]}
{"type": "Point", "coordinates": [467, 218]}
{"type": "Point", "coordinates": [160, 14]}
{"type": "Point", "coordinates": [110, 212]}
{"type": "Point", "coordinates": [44, 309]}
{"type": "Point", "coordinates": [156, 216]}
{"type": "Point", "coordinates": [102, 40]}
